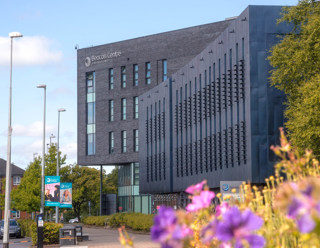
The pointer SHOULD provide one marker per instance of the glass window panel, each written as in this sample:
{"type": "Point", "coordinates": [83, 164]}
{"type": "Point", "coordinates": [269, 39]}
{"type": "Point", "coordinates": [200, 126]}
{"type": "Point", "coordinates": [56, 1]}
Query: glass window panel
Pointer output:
{"type": "Point", "coordinates": [164, 70]}
{"type": "Point", "coordinates": [148, 73]}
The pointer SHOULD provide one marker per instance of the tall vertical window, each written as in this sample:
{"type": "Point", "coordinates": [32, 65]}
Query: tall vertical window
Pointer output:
{"type": "Point", "coordinates": [136, 174]}
{"type": "Point", "coordinates": [123, 109]}
{"type": "Point", "coordinates": [148, 73]}
{"type": "Point", "coordinates": [135, 75]}
{"type": "Point", "coordinates": [91, 114]}
{"type": "Point", "coordinates": [16, 180]}
{"type": "Point", "coordinates": [111, 142]}
{"type": "Point", "coordinates": [164, 70]}
{"type": "Point", "coordinates": [111, 79]}
{"type": "Point", "coordinates": [135, 140]}
{"type": "Point", "coordinates": [123, 141]}
{"type": "Point", "coordinates": [135, 107]}
{"type": "Point", "coordinates": [123, 77]}
{"type": "Point", "coordinates": [111, 110]}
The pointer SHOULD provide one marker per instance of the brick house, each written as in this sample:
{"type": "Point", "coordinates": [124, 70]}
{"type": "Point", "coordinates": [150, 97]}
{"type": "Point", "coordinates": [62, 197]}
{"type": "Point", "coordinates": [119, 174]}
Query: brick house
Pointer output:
{"type": "Point", "coordinates": [16, 175]}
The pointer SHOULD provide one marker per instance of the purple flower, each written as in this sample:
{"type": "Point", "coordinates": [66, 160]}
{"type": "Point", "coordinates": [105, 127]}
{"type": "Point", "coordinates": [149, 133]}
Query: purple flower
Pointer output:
{"type": "Point", "coordinates": [238, 226]}
{"type": "Point", "coordinates": [208, 232]}
{"type": "Point", "coordinates": [301, 208]}
{"type": "Point", "coordinates": [222, 208]}
{"type": "Point", "coordinates": [200, 201]}
{"type": "Point", "coordinates": [196, 189]}
{"type": "Point", "coordinates": [166, 229]}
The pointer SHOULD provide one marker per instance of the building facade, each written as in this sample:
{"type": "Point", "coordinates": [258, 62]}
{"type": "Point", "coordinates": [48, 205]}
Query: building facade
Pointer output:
{"type": "Point", "coordinates": [16, 176]}
{"type": "Point", "coordinates": [217, 116]}
{"type": "Point", "coordinates": [110, 79]}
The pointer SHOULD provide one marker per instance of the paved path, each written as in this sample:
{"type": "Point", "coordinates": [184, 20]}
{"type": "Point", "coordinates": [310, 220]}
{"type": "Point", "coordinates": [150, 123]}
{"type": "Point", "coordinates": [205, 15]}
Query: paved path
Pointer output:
{"type": "Point", "coordinates": [101, 237]}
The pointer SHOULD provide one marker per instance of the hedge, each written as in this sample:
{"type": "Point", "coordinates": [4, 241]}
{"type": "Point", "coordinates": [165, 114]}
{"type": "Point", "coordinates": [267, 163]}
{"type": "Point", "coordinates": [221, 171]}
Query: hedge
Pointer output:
{"type": "Point", "coordinates": [50, 231]}
{"type": "Point", "coordinates": [134, 221]}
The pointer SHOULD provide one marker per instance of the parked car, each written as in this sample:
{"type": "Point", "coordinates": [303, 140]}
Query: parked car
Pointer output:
{"type": "Point", "coordinates": [14, 228]}
{"type": "Point", "coordinates": [75, 220]}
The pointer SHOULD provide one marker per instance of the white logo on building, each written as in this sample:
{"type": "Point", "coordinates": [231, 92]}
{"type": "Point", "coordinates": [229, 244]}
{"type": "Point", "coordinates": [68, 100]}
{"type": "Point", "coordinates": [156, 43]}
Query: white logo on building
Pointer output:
{"type": "Point", "coordinates": [102, 58]}
{"type": "Point", "coordinates": [87, 62]}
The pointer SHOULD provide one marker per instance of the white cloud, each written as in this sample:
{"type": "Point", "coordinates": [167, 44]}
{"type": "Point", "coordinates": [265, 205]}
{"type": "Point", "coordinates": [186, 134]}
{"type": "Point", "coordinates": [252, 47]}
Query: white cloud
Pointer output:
{"type": "Point", "coordinates": [70, 150]}
{"type": "Point", "coordinates": [35, 129]}
{"type": "Point", "coordinates": [29, 50]}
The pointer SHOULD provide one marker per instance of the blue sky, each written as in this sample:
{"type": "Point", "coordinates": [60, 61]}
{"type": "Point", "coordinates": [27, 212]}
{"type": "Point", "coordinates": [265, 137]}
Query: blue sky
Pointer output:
{"type": "Point", "coordinates": [46, 55]}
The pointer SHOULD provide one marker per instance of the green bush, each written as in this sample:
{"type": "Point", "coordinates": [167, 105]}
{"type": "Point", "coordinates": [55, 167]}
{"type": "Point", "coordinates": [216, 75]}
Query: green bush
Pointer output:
{"type": "Point", "coordinates": [50, 233]}
{"type": "Point", "coordinates": [135, 221]}
{"type": "Point", "coordinates": [95, 220]}
{"type": "Point", "coordinates": [25, 225]}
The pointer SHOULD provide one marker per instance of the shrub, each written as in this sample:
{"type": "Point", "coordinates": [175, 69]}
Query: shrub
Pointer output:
{"type": "Point", "coordinates": [95, 220]}
{"type": "Point", "coordinates": [25, 226]}
{"type": "Point", "coordinates": [50, 233]}
{"type": "Point", "coordinates": [135, 221]}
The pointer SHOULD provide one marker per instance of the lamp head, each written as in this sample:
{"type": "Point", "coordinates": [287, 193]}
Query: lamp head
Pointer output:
{"type": "Point", "coordinates": [42, 86]}
{"type": "Point", "coordinates": [15, 35]}
{"type": "Point", "coordinates": [61, 110]}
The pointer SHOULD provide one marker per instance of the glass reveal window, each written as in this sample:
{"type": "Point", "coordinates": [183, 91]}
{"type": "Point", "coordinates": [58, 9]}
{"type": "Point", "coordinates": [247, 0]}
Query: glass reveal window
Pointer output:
{"type": "Point", "coordinates": [111, 79]}
{"type": "Point", "coordinates": [111, 142]}
{"type": "Point", "coordinates": [135, 75]}
{"type": "Point", "coordinates": [148, 73]}
{"type": "Point", "coordinates": [123, 109]}
{"type": "Point", "coordinates": [111, 110]}
{"type": "Point", "coordinates": [91, 113]}
{"type": "Point", "coordinates": [123, 141]}
{"type": "Point", "coordinates": [164, 70]}
{"type": "Point", "coordinates": [136, 174]}
{"type": "Point", "coordinates": [123, 77]}
{"type": "Point", "coordinates": [136, 140]}
{"type": "Point", "coordinates": [16, 180]}
{"type": "Point", "coordinates": [135, 107]}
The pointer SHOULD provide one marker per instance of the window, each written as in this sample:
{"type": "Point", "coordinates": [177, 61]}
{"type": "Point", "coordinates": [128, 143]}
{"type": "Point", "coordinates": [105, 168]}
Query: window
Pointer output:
{"type": "Point", "coordinates": [111, 110]}
{"type": "Point", "coordinates": [91, 113]}
{"type": "Point", "coordinates": [148, 73]}
{"type": "Point", "coordinates": [111, 79]}
{"type": "Point", "coordinates": [124, 141]}
{"type": "Point", "coordinates": [135, 75]}
{"type": "Point", "coordinates": [164, 70]}
{"type": "Point", "coordinates": [16, 214]}
{"type": "Point", "coordinates": [136, 173]}
{"type": "Point", "coordinates": [123, 77]}
{"type": "Point", "coordinates": [135, 107]}
{"type": "Point", "coordinates": [111, 142]}
{"type": "Point", "coordinates": [135, 140]}
{"type": "Point", "coordinates": [16, 180]}
{"type": "Point", "coordinates": [123, 109]}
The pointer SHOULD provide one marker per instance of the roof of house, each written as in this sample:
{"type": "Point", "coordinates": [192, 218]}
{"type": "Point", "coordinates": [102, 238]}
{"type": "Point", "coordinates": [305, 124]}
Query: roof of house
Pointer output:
{"type": "Point", "coordinates": [16, 171]}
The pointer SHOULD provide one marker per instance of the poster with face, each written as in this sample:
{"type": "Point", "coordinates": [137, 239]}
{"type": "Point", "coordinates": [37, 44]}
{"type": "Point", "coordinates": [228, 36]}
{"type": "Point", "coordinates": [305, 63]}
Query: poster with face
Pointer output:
{"type": "Point", "coordinates": [65, 195]}
{"type": "Point", "coordinates": [52, 191]}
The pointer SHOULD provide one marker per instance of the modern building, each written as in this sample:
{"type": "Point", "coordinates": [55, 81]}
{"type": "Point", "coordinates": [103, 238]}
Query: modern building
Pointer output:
{"type": "Point", "coordinates": [111, 78]}
{"type": "Point", "coordinates": [217, 116]}
{"type": "Point", "coordinates": [175, 108]}
{"type": "Point", "coordinates": [16, 176]}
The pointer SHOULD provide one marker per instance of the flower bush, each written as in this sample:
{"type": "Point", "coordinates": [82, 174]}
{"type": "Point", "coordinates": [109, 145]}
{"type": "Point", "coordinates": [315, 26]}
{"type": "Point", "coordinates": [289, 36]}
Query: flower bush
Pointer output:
{"type": "Point", "coordinates": [284, 213]}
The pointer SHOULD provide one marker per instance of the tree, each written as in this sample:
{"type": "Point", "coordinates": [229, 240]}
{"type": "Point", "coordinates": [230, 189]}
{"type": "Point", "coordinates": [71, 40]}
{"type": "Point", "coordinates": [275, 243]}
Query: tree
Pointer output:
{"type": "Point", "coordinates": [111, 182]}
{"type": "Point", "coordinates": [296, 63]}
{"type": "Point", "coordinates": [27, 196]}
{"type": "Point", "coordinates": [85, 186]}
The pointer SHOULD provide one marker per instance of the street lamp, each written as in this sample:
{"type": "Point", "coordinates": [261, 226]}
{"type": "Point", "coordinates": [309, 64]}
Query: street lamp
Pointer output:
{"type": "Point", "coordinates": [8, 165]}
{"type": "Point", "coordinates": [59, 111]}
{"type": "Point", "coordinates": [44, 87]}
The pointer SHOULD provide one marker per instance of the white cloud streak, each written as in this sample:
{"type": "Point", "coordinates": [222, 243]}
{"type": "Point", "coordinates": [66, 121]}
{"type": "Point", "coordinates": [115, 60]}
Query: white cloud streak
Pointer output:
{"type": "Point", "coordinates": [29, 50]}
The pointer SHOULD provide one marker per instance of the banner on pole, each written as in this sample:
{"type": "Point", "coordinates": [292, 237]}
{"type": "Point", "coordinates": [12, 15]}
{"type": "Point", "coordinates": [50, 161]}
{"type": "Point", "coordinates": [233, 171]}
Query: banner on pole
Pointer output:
{"type": "Point", "coordinates": [66, 195]}
{"type": "Point", "coordinates": [52, 191]}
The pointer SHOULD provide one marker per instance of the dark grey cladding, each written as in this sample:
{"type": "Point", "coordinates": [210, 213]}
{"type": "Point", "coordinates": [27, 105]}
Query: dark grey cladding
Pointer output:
{"type": "Point", "coordinates": [177, 47]}
{"type": "Point", "coordinates": [217, 116]}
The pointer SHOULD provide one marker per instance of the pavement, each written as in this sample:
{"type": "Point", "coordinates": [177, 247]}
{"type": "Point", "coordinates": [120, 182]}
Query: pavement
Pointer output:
{"type": "Point", "coordinates": [101, 237]}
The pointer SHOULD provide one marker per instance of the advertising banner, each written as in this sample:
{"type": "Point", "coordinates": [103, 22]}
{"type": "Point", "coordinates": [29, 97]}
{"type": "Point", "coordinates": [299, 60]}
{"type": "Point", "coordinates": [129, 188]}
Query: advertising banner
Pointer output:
{"type": "Point", "coordinates": [52, 191]}
{"type": "Point", "coordinates": [65, 195]}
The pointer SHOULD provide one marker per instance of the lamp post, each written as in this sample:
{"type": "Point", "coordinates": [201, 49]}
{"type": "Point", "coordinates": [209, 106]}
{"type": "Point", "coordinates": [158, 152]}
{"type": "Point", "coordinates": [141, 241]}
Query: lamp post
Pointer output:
{"type": "Point", "coordinates": [44, 87]}
{"type": "Point", "coordinates": [59, 111]}
{"type": "Point", "coordinates": [8, 165]}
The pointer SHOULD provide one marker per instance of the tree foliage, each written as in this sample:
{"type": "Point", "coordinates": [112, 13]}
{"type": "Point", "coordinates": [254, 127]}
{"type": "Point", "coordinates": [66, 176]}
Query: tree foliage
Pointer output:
{"type": "Point", "coordinates": [296, 63]}
{"type": "Point", "coordinates": [27, 196]}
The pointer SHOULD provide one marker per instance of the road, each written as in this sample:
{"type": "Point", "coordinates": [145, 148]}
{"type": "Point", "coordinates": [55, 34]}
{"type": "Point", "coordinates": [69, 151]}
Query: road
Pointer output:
{"type": "Point", "coordinates": [18, 242]}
